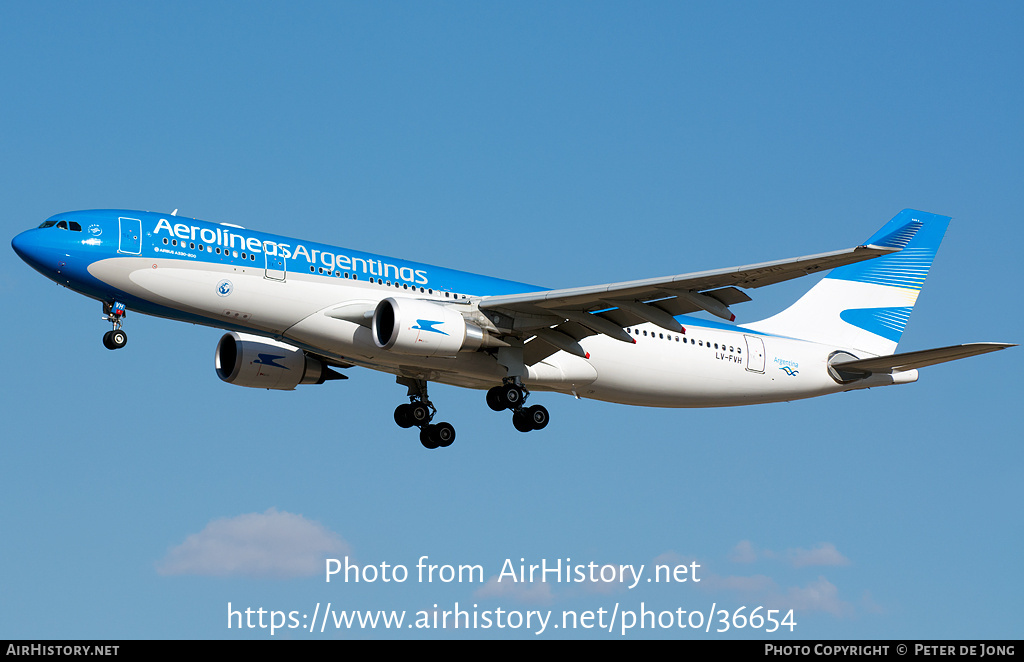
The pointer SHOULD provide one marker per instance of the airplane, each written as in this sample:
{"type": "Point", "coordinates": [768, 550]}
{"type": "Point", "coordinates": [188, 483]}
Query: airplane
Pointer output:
{"type": "Point", "coordinates": [297, 311]}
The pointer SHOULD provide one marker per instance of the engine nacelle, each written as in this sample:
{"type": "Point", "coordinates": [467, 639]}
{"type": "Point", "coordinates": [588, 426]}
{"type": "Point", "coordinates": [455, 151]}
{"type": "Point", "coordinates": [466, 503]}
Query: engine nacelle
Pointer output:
{"type": "Point", "coordinates": [423, 328]}
{"type": "Point", "coordinates": [256, 362]}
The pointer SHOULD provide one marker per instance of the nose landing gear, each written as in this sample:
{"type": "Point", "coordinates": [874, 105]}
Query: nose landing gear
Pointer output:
{"type": "Point", "coordinates": [114, 313]}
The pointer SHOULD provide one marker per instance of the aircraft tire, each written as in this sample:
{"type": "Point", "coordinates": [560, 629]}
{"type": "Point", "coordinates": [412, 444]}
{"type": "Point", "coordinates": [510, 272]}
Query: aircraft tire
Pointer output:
{"type": "Point", "coordinates": [118, 339]}
{"type": "Point", "coordinates": [427, 437]}
{"type": "Point", "coordinates": [510, 396]}
{"type": "Point", "coordinates": [521, 421]}
{"type": "Point", "coordinates": [419, 413]}
{"type": "Point", "coordinates": [494, 399]}
{"type": "Point", "coordinates": [538, 417]}
{"type": "Point", "coordinates": [443, 434]}
{"type": "Point", "coordinates": [403, 417]}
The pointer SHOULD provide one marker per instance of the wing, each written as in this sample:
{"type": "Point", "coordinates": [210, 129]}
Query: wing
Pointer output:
{"type": "Point", "coordinates": [560, 318]}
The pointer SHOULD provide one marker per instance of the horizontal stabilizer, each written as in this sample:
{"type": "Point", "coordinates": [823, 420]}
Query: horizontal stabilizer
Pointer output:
{"type": "Point", "coordinates": [920, 359]}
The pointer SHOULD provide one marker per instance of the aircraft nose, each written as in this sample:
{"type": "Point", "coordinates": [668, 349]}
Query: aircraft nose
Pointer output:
{"type": "Point", "coordinates": [20, 244]}
{"type": "Point", "coordinates": [28, 247]}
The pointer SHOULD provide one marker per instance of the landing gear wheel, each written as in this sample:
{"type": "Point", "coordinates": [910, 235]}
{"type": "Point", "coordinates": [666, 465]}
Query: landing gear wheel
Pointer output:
{"type": "Point", "coordinates": [403, 416]}
{"type": "Point", "coordinates": [538, 417]}
{"type": "Point", "coordinates": [506, 396]}
{"type": "Point", "coordinates": [427, 437]}
{"type": "Point", "coordinates": [118, 338]}
{"type": "Point", "coordinates": [444, 434]}
{"type": "Point", "coordinates": [419, 413]}
{"type": "Point", "coordinates": [115, 339]}
{"type": "Point", "coordinates": [494, 399]}
{"type": "Point", "coordinates": [521, 421]}
{"type": "Point", "coordinates": [530, 418]}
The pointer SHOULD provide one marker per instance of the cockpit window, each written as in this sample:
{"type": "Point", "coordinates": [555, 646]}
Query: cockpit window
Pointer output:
{"type": "Point", "coordinates": [63, 225]}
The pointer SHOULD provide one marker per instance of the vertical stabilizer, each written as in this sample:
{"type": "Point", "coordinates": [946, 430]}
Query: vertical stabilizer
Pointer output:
{"type": "Point", "coordinates": [866, 306]}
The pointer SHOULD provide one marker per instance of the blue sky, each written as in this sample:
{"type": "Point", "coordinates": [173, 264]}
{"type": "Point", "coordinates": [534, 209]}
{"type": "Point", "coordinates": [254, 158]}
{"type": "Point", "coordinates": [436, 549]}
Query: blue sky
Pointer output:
{"type": "Point", "coordinates": [563, 144]}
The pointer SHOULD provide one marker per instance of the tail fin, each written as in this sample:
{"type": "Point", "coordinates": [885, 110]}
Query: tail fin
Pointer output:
{"type": "Point", "coordinates": [866, 306]}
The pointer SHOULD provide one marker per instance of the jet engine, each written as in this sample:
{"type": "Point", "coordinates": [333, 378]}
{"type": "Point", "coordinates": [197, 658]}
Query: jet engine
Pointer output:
{"type": "Point", "coordinates": [423, 328]}
{"type": "Point", "coordinates": [256, 362]}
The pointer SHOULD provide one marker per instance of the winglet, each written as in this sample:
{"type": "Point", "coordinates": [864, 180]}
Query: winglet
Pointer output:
{"type": "Point", "coordinates": [897, 239]}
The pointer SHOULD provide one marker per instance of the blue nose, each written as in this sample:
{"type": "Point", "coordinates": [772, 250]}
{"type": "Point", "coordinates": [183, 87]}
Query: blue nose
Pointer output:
{"type": "Point", "coordinates": [32, 248]}
{"type": "Point", "coordinates": [22, 245]}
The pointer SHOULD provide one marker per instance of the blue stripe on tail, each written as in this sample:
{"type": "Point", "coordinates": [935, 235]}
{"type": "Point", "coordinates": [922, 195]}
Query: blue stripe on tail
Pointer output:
{"type": "Point", "coordinates": [886, 322]}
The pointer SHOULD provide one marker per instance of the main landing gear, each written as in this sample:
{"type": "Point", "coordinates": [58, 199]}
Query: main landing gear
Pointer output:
{"type": "Point", "coordinates": [511, 395]}
{"type": "Point", "coordinates": [114, 313]}
{"type": "Point", "coordinates": [420, 412]}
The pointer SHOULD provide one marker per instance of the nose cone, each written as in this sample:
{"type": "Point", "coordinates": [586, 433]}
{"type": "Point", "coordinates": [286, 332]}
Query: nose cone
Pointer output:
{"type": "Point", "coordinates": [32, 248]}
{"type": "Point", "coordinates": [23, 245]}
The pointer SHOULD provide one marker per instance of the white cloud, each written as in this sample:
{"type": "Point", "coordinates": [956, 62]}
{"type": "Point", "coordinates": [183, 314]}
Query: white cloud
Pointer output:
{"type": "Point", "coordinates": [270, 544]}
{"type": "Point", "coordinates": [743, 552]}
{"type": "Point", "coordinates": [746, 585]}
{"type": "Point", "coordinates": [819, 595]}
{"type": "Point", "coordinates": [823, 554]}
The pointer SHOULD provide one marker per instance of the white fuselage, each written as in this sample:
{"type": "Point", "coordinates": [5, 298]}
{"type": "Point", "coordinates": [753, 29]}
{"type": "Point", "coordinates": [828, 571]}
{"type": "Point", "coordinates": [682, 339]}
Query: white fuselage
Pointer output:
{"type": "Point", "coordinates": [706, 366]}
